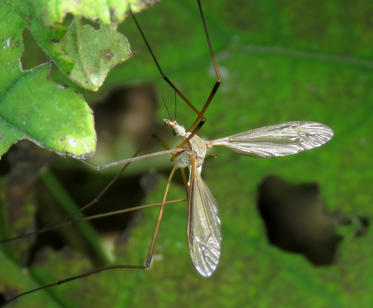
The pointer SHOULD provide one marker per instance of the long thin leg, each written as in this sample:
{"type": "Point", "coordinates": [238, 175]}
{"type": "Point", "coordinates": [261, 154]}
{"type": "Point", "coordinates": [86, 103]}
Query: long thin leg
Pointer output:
{"type": "Point", "coordinates": [161, 210]}
{"type": "Point", "coordinates": [86, 218]}
{"type": "Point", "coordinates": [59, 282]}
{"type": "Point", "coordinates": [111, 267]}
{"type": "Point", "coordinates": [218, 80]}
{"type": "Point", "coordinates": [108, 185]}
{"type": "Point", "coordinates": [130, 160]}
{"type": "Point", "coordinates": [200, 116]}
{"type": "Point", "coordinates": [201, 120]}
{"type": "Point", "coordinates": [185, 180]}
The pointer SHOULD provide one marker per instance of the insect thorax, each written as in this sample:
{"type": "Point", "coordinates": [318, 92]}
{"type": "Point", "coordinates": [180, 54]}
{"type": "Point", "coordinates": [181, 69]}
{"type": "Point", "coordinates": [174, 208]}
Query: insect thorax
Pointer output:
{"type": "Point", "coordinates": [197, 148]}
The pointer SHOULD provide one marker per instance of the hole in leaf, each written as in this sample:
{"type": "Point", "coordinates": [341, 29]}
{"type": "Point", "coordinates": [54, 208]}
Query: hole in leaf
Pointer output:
{"type": "Point", "coordinates": [32, 54]}
{"type": "Point", "coordinates": [67, 19]}
{"type": "Point", "coordinates": [296, 220]}
{"type": "Point", "coordinates": [94, 24]}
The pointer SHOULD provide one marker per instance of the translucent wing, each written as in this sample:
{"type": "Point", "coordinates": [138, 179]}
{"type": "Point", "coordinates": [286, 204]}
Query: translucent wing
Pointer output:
{"type": "Point", "coordinates": [204, 232]}
{"type": "Point", "coordinates": [278, 140]}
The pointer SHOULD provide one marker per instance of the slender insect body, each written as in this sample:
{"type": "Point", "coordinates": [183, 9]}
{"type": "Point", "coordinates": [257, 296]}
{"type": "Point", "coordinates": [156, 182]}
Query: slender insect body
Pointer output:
{"type": "Point", "coordinates": [197, 148]}
{"type": "Point", "coordinates": [204, 227]}
{"type": "Point", "coordinates": [204, 230]}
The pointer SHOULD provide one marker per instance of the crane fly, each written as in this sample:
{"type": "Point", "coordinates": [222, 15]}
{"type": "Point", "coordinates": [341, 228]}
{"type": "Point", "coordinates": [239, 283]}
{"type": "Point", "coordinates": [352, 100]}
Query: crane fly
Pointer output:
{"type": "Point", "coordinates": [204, 232]}
{"type": "Point", "coordinates": [204, 227]}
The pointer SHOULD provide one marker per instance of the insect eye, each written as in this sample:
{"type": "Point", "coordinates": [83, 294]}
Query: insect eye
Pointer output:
{"type": "Point", "coordinates": [174, 132]}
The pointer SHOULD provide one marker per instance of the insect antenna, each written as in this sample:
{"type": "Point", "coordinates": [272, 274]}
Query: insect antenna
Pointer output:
{"type": "Point", "coordinates": [175, 106]}
{"type": "Point", "coordinates": [165, 105]}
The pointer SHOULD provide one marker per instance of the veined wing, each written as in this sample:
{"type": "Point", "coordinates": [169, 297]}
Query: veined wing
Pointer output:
{"type": "Point", "coordinates": [278, 140]}
{"type": "Point", "coordinates": [204, 232]}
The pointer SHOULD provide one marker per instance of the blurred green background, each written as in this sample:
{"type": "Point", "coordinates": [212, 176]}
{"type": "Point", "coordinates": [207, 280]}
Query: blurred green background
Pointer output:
{"type": "Point", "coordinates": [280, 61]}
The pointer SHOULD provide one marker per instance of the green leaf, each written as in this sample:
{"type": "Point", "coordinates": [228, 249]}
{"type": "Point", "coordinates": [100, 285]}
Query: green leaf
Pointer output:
{"type": "Point", "coordinates": [63, 123]}
{"type": "Point", "coordinates": [36, 108]}
{"type": "Point", "coordinates": [90, 68]}
{"type": "Point", "coordinates": [108, 12]}
{"type": "Point", "coordinates": [84, 54]}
